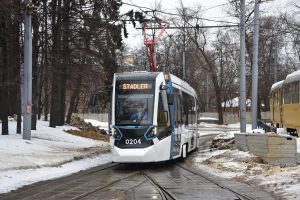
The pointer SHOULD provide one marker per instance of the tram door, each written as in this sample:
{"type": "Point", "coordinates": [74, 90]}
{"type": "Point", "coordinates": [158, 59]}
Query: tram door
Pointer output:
{"type": "Point", "coordinates": [177, 123]}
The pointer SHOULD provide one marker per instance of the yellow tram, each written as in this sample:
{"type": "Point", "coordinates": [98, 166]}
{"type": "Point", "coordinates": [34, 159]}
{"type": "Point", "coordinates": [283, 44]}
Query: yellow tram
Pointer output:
{"type": "Point", "coordinates": [284, 104]}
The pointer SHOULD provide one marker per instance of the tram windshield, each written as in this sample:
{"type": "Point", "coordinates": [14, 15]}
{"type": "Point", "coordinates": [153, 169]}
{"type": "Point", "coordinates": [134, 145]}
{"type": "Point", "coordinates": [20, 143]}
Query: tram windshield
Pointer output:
{"type": "Point", "coordinates": [134, 103]}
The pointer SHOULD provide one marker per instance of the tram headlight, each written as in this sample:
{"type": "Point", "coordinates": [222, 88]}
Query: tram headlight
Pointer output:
{"type": "Point", "coordinates": [116, 133]}
{"type": "Point", "coordinates": [151, 133]}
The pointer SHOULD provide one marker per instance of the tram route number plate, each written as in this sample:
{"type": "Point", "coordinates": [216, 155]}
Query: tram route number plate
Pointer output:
{"type": "Point", "coordinates": [133, 141]}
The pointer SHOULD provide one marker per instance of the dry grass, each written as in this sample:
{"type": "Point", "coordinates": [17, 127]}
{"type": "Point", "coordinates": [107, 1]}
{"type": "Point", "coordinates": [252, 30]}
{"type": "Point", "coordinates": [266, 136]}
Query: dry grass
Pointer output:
{"type": "Point", "coordinates": [89, 133]}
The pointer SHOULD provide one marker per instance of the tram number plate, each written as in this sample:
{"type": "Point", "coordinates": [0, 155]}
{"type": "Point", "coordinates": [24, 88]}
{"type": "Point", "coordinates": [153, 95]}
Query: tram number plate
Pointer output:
{"type": "Point", "coordinates": [133, 141]}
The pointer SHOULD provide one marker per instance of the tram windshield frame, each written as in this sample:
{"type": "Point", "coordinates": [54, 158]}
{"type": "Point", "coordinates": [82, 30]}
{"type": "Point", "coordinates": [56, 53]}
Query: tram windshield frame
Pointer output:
{"type": "Point", "coordinates": [134, 102]}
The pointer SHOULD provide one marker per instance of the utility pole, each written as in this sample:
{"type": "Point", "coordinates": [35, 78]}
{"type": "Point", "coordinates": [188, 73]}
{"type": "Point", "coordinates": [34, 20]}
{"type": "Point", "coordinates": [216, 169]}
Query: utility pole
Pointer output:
{"type": "Point", "coordinates": [207, 98]}
{"type": "Point", "coordinates": [255, 66]}
{"type": "Point", "coordinates": [27, 90]}
{"type": "Point", "coordinates": [183, 53]}
{"type": "Point", "coordinates": [183, 61]}
{"type": "Point", "coordinates": [242, 70]}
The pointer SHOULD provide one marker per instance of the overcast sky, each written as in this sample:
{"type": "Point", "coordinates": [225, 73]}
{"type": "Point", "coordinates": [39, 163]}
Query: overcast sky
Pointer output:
{"type": "Point", "coordinates": [211, 9]}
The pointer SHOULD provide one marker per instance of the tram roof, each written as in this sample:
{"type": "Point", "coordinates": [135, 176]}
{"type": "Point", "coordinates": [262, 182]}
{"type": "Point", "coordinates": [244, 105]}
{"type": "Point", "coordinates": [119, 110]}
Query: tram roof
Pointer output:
{"type": "Point", "coordinates": [137, 75]}
{"type": "Point", "coordinates": [183, 84]}
{"type": "Point", "coordinates": [292, 77]}
{"type": "Point", "coordinates": [276, 85]}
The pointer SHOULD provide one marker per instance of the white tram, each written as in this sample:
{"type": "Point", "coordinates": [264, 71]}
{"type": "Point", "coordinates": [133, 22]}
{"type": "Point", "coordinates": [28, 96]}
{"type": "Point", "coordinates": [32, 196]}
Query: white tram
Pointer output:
{"type": "Point", "coordinates": [153, 117]}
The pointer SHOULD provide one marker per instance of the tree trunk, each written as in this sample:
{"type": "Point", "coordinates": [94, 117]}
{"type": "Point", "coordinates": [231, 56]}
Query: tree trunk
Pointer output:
{"type": "Point", "coordinates": [46, 96]}
{"type": "Point", "coordinates": [18, 109]}
{"type": "Point", "coordinates": [65, 61]}
{"type": "Point", "coordinates": [19, 122]}
{"type": "Point", "coordinates": [3, 74]}
{"type": "Point", "coordinates": [35, 54]}
{"type": "Point", "coordinates": [40, 87]}
{"type": "Point", "coordinates": [218, 96]}
{"type": "Point", "coordinates": [55, 107]}
{"type": "Point", "coordinates": [46, 64]}
{"type": "Point", "coordinates": [259, 108]}
{"type": "Point", "coordinates": [73, 101]}
{"type": "Point", "coordinates": [54, 115]}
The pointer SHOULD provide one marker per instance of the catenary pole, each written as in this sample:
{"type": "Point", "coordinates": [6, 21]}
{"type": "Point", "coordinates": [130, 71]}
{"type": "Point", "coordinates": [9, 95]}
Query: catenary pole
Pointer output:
{"type": "Point", "coordinates": [184, 49]}
{"type": "Point", "coordinates": [255, 66]}
{"type": "Point", "coordinates": [27, 91]}
{"type": "Point", "coordinates": [242, 70]}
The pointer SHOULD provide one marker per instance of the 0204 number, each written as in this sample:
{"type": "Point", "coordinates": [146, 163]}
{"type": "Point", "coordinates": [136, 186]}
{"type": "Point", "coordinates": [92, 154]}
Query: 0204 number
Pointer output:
{"type": "Point", "coordinates": [133, 141]}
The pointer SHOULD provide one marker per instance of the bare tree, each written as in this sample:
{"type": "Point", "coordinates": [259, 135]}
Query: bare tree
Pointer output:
{"type": "Point", "coordinates": [10, 20]}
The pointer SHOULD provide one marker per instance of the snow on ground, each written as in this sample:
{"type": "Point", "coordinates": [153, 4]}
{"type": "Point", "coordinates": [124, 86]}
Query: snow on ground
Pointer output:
{"type": "Point", "coordinates": [47, 155]}
{"type": "Point", "coordinates": [283, 182]}
{"type": "Point", "coordinates": [52, 153]}
{"type": "Point", "coordinates": [13, 179]}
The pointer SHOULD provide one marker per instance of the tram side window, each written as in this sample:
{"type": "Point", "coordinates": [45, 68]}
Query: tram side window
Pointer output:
{"type": "Point", "coordinates": [287, 94]}
{"type": "Point", "coordinates": [163, 119]}
{"type": "Point", "coordinates": [295, 94]}
{"type": "Point", "coordinates": [175, 111]}
{"type": "Point", "coordinates": [189, 109]}
{"type": "Point", "coordinates": [185, 108]}
{"type": "Point", "coordinates": [177, 108]}
{"type": "Point", "coordinates": [190, 104]}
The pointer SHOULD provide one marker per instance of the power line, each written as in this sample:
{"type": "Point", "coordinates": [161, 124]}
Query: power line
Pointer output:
{"type": "Point", "coordinates": [140, 8]}
{"type": "Point", "coordinates": [195, 27]}
{"type": "Point", "coordinates": [209, 8]}
{"type": "Point", "coordinates": [174, 14]}
{"type": "Point", "coordinates": [218, 5]}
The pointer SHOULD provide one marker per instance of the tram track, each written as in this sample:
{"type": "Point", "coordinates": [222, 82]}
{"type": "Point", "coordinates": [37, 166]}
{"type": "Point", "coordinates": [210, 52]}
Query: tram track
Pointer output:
{"type": "Point", "coordinates": [97, 189]}
{"type": "Point", "coordinates": [163, 192]}
{"type": "Point", "coordinates": [240, 196]}
{"type": "Point", "coordinates": [162, 181]}
{"type": "Point", "coordinates": [67, 182]}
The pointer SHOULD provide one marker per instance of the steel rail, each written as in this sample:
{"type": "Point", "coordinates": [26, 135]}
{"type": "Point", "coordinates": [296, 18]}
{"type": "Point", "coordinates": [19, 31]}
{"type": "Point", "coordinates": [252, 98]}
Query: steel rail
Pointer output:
{"type": "Point", "coordinates": [102, 187]}
{"type": "Point", "coordinates": [165, 195]}
{"type": "Point", "coordinates": [163, 192]}
{"type": "Point", "coordinates": [79, 174]}
{"type": "Point", "coordinates": [239, 195]}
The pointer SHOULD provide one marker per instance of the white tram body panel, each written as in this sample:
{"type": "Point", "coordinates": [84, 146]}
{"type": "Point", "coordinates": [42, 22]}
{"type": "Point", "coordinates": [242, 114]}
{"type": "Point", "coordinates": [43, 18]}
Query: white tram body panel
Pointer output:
{"type": "Point", "coordinates": [159, 136]}
{"type": "Point", "coordinates": [158, 152]}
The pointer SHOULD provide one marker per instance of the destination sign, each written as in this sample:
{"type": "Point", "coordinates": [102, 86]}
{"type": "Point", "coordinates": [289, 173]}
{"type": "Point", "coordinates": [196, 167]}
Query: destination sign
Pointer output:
{"type": "Point", "coordinates": [135, 86]}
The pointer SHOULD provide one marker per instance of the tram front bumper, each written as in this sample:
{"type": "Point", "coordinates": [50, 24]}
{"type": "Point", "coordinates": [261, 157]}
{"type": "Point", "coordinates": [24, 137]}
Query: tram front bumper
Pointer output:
{"type": "Point", "coordinates": [160, 151]}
